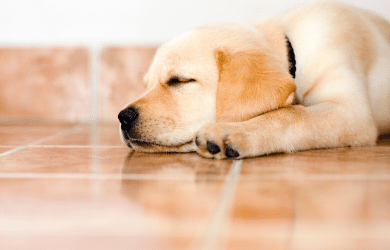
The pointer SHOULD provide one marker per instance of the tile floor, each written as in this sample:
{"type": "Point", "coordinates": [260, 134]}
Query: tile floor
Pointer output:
{"type": "Point", "coordinates": [77, 187]}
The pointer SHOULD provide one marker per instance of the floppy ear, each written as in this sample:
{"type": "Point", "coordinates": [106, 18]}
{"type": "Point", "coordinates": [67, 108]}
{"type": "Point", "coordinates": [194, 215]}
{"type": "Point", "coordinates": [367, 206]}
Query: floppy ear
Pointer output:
{"type": "Point", "coordinates": [250, 84]}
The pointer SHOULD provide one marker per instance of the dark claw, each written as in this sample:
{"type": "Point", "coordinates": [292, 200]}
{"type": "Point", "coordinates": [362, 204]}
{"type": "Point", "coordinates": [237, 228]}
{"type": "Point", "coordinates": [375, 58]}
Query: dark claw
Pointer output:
{"type": "Point", "coordinates": [213, 148]}
{"type": "Point", "coordinates": [231, 153]}
{"type": "Point", "coordinates": [197, 142]}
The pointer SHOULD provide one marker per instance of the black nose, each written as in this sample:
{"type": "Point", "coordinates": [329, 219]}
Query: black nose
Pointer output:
{"type": "Point", "coordinates": [128, 116]}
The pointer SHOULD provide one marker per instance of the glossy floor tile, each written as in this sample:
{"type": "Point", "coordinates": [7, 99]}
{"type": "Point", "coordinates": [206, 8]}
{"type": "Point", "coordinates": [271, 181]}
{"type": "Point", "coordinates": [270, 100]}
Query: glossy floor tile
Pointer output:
{"type": "Point", "coordinates": [80, 209]}
{"type": "Point", "coordinates": [23, 134]}
{"type": "Point", "coordinates": [75, 186]}
{"type": "Point", "coordinates": [4, 149]}
{"type": "Point", "coordinates": [89, 135]}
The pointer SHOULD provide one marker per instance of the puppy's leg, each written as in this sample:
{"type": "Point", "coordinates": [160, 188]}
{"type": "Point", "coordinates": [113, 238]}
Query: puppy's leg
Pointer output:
{"type": "Point", "coordinates": [295, 128]}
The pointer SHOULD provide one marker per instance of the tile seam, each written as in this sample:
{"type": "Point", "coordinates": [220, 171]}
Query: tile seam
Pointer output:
{"type": "Point", "coordinates": [62, 146]}
{"type": "Point", "coordinates": [318, 177]}
{"type": "Point", "coordinates": [94, 63]}
{"type": "Point", "coordinates": [376, 177]}
{"type": "Point", "coordinates": [75, 146]}
{"type": "Point", "coordinates": [213, 232]}
{"type": "Point", "coordinates": [54, 136]}
{"type": "Point", "coordinates": [91, 176]}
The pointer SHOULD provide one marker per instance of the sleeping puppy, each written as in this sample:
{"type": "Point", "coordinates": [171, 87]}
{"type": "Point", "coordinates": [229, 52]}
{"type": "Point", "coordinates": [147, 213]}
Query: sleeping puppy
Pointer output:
{"type": "Point", "coordinates": [315, 77]}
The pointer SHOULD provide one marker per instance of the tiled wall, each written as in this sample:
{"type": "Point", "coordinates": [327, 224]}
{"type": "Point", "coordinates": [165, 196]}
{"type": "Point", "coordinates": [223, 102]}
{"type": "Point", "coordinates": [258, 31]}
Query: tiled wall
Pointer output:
{"type": "Point", "coordinates": [54, 84]}
{"type": "Point", "coordinates": [122, 72]}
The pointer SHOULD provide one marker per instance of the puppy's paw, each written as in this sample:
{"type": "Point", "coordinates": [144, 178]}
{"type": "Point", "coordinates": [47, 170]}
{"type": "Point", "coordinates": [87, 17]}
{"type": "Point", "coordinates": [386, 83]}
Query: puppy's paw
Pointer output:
{"type": "Point", "coordinates": [221, 140]}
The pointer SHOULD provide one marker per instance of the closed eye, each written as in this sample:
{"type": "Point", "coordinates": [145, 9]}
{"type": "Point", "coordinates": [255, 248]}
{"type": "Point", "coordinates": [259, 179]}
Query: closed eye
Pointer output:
{"type": "Point", "coordinates": [178, 80]}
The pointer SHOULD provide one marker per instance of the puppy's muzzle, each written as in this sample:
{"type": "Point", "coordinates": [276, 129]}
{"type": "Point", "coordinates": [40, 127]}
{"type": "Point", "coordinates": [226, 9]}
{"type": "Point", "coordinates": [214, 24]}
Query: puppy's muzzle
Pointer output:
{"type": "Point", "coordinates": [128, 118]}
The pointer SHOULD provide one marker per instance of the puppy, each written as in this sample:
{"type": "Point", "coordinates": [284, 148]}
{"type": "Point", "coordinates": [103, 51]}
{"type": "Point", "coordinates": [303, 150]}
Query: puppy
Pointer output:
{"type": "Point", "coordinates": [315, 77]}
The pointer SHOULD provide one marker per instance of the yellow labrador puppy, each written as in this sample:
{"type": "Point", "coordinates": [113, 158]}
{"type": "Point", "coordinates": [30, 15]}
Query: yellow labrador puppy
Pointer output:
{"type": "Point", "coordinates": [315, 77]}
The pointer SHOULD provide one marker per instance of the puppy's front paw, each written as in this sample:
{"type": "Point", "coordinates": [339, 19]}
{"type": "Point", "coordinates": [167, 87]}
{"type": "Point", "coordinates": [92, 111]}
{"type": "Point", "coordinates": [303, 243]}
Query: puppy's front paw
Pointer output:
{"type": "Point", "coordinates": [220, 140]}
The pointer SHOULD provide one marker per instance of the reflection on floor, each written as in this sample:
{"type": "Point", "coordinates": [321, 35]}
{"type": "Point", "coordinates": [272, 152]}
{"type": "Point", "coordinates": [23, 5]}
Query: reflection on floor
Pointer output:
{"type": "Point", "coordinates": [78, 187]}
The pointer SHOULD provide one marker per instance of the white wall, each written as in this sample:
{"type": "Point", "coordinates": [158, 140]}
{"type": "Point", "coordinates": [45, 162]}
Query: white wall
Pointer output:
{"type": "Point", "coordinates": [130, 21]}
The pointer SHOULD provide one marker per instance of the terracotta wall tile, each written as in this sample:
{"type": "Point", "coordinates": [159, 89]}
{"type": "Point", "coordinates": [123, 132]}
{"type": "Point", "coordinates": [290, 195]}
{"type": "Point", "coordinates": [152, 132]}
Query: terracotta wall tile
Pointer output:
{"type": "Point", "coordinates": [45, 83]}
{"type": "Point", "coordinates": [54, 83]}
{"type": "Point", "coordinates": [122, 71]}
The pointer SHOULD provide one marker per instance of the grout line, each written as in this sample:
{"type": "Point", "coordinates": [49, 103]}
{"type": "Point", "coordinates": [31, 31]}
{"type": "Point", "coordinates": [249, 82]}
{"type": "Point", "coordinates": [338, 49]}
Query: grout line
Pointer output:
{"type": "Point", "coordinates": [93, 176]}
{"type": "Point", "coordinates": [94, 63]}
{"type": "Point", "coordinates": [318, 177]}
{"type": "Point", "coordinates": [75, 146]}
{"type": "Point", "coordinates": [368, 177]}
{"type": "Point", "coordinates": [102, 176]}
{"type": "Point", "coordinates": [213, 233]}
{"type": "Point", "coordinates": [57, 135]}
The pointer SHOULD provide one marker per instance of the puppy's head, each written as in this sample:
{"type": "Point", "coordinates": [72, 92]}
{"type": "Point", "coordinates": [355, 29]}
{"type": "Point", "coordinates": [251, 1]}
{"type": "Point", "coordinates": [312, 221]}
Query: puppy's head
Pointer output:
{"type": "Point", "coordinates": [224, 72]}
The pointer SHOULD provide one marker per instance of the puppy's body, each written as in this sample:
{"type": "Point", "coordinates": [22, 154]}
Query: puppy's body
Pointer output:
{"type": "Point", "coordinates": [334, 37]}
{"type": "Point", "coordinates": [225, 90]}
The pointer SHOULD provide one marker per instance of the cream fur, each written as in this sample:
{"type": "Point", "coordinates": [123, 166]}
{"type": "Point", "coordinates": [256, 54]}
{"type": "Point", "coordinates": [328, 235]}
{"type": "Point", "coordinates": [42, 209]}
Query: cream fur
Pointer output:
{"type": "Point", "coordinates": [242, 95]}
